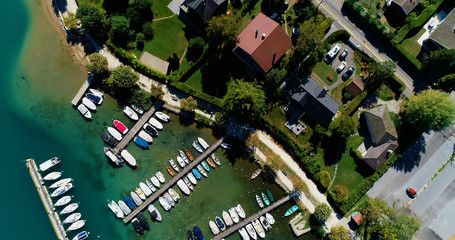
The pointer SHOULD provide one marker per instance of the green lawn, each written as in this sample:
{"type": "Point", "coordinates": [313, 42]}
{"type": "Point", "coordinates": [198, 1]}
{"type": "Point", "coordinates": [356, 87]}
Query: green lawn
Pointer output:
{"type": "Point", "coordinates": [160, 9]}
{"type": "Point", "coordinates": [324, 71]}
{"type": "Point", "coordinates": [82, 2]}
{"type": "Point", "coordinates": [385, 93]}
{"type": "Point", "coordinates": [411, 45]}
{"type": "Point", "coordinates": [337, 94]}
{"type": "Point", "coordinates": [195, 80]}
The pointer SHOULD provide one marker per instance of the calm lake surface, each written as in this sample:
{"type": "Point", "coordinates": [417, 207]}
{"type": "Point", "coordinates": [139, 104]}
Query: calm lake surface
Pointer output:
{"type": "Point", "coordinates": [39, 80]}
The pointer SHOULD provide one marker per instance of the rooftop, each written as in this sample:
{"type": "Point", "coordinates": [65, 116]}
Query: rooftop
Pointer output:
{"type": "Point", "coordinates": [380, 125]}
{"type": "Point", "coordinates": [407, 5]}
{"type": "Point", "coordinates": [444, 34]}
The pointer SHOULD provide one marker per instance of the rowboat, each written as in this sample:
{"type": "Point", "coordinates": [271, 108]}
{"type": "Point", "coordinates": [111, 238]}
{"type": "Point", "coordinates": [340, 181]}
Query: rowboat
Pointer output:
{"type": "Point", "coordinates": [205, 166]}
{"type": "Point", "coordinates": [191, 178]}
{"type": "Point", "coordinates": [265, 199]}
{"type": "Point", "coordinates": [259, 201]}
{"type": "Point", "coordinates": [188, 154]}
{"type": "Point", "coordinates": [215, 159]}
{"type": "Point", "coordinates": [137, 109]}
{"type": "Point", "coordinates": [120, 126]}
{"type": "Point", "coordinates": [211, 163]}
{"type": "Point", "coordinates": [130, 113]}
{"type": "Point", "coordinates": [202, 142]}
{"type": "Point", "coordinates": [188, 183]}
{"type": "Point", "coordinates": [183, 156]}
{"type": "Point", "coordinates": [173, 165]}
{"type": "Point", "coordinates": [197, 146]}
{"type": "Point", "coordinates": [169, 170]}
{"type": "Point", "coordinates": [196, 174]}
{"type": "Point", "coordinates": [255, 174]}
{"type": "Point", "coordinates": [270, 196]}
{"type": "Point", "coordinates": [201, 170]}
{"type": "Point", "coordinates": [291, 210]}
{"type": "Point", "coordinates": [52, 176]}
{"type": "Point", "coordinates": [181, 162]}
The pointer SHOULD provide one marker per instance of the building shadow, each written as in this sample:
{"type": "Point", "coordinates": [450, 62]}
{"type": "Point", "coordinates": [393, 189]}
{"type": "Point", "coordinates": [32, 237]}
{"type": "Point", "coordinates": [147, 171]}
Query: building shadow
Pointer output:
{"type": "Point", "coordinates": [411, 157]}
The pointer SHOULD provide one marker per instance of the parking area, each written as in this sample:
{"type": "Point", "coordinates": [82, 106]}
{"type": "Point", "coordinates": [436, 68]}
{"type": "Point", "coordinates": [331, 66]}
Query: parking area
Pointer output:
{"type": "Point", "coordinates": [349, 60]}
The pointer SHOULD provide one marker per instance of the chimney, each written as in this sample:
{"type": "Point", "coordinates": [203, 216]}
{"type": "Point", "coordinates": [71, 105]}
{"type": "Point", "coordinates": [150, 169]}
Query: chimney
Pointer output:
{"type": "Point", "coordinates": [263, 36]}
{"type": "Point", "coordinates": [273, 59]}
{"type": "Point", "coordinates": [257, 31]}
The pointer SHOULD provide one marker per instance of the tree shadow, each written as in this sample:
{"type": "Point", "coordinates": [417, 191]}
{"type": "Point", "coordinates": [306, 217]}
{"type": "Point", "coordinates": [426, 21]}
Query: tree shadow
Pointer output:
{"type": "Point", "coordinates": [411, 157]}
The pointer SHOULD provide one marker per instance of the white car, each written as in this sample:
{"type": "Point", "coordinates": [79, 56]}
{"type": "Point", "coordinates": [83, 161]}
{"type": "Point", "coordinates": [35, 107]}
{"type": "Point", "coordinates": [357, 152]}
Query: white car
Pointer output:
{"type": "Point", "coordinates": [341, 67]}
{"type": "Point", "coordinates": [333, 52]}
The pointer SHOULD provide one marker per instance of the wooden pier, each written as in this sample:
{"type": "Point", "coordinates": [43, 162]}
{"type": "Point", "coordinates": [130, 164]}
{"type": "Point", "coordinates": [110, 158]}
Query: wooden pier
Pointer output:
{"type": "Point", "coordinates": [138, 126]}
{"type": "Point", "coordinates": [82, 90]}
{"type": "Point", "coordinates": [171, 183]}
{"type": "Point", "coordinates": [46, 199]}
{"type": "Point", "coordinates": [243, 223]}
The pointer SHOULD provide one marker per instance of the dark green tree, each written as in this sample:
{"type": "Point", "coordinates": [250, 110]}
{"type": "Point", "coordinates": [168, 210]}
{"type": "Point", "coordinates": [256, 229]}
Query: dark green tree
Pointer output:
{"type": "Point", "coordinates": [120, 30]}
{"type": "Point", "coordinates": [174, 62]}
{"type": "Point", "coordinates": [309, 40]}
{"type": "Point", "coordinates": [446, 83]}
{"type": "Point", "coordinates": [98, 64]}
{"type": "Point", "coordinates": [429, 110]}
{"type": "Point", "coordinates": [144, 7]}
{"type": "Point", "coordinates": [271, 84]}
{"type": "Point", "coordinates": [245, 101]}
{"type": "Point", "coordinates": [156, 92]}
{"type": "Point", "coordinates": [322, 211]}
{"type": "Point", "coordinates": [438, 63]}
{"type": "Point", "coordinates": [123, 77]}
{"type": "Point", "coordinates": [135, 19]}
{"type": "Point", "coordinates": [140, 40]}
{"type": "Point", "coordinates": [195, 49]}
{"type": "Point", "coordinates": [269, 7]}
{"type": "Point", "coordinates": [188, 104]}
{"type": "Point", "coordinates": [70, 21]}
{"type": "Point", "coordinates": [220, 119]}
{"type": "Point", "coordinates": [222, 31]}
{"type": "Point", "coordinates": [379, 72]}
{"type": "Point", "coordinates": [148, 31]}
{"type": "Point", "coordinates": [141, 98]}
{"type": "Point", "coordinates": [114, 7]}
{"type": "Point", "coordinates": [342, 127]}
{"type": "Point", "coordinates": [339, 233]}
{"type": "Point", "coordinates": [93, 19]}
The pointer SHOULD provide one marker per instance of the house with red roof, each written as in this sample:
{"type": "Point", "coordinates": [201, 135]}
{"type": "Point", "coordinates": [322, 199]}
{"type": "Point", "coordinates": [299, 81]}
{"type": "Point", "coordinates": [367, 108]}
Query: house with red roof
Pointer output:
{"type": "Point", "coordinates": [262, 44]}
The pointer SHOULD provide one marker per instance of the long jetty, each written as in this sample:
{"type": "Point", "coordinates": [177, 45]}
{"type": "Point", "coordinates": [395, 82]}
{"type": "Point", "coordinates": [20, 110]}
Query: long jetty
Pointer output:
{"type": "Point", "coordinates": [82, 90]}
{"type": "Point", "coordinates": [171, 183]}
{"type": "Point", "coordinates": [46, 199]}
{"type": "Point", "coordinates": [132, 132]}
{"type": "Point", "coordinates": [251, 218]}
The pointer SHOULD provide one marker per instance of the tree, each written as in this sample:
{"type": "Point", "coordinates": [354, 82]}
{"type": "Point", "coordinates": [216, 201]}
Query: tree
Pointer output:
{"type": "Point", "coordinates": [245, 101]}
{"type": "Point", "coordinates": [195, 49]}
{"type": "Point", "coordinates": [252, 140]}
{"type": "Point", "coordinates": [271, 84]}
{"type": "Point", "coordinates": [124, 77]}
{"type": "Point", "coordinates": [93, 19]}
{"type": "Point", "coordinates": [115, 6]}
{"type": "Point", "coordinates": [339, 233]}
{"type": "Point", "coordinates": [343, 126]}
{"type": "Point", "coordinates": [322, 211]}
{"type": "Point", "coordinates": [437, 63]}
{"type": "Point", "coordinates": [340, 191]}
{"type": "Point", "coordinates": [174, 63]}
{"type": "Point", "coordinates": [148, 31]}
{"type": "Point", "coordinates": [222, 31]}
{"type": "Point", "coordinates": [156, 92]}
{"type": "Point", "coordinates": [446, 83]}
{"type": "Point", "coordinates": [188, 104]}
{"type": "Point", "coordinates": [310, 38]}
{"type": "Point", "coordinates": [270, 6]}
{"type": "Point", "coordinates": [140, 40]}
{"type": "Point", "coordinates": [220, 119]}
{"type": "Point", "coordinates": [144, 7]}
{"type": "Point", "coordinates": [429, 110]}
{"type": "Point", "coordinates": [141, 98]}
{"type": "Point", "coordinates": [274, 162]}
{"type": "Point", "coordinates": [135, 18]}
{"type": "Point", "coordinates": [120, 30]}
{"type": "Point", "coordinates": [98, 64]}
{"type": "Point", "coordinates": [379, 72]}
{"type": "Point", "coordinates": [70, 21]}
{"type": "Point", "coordinates": [325, 179]}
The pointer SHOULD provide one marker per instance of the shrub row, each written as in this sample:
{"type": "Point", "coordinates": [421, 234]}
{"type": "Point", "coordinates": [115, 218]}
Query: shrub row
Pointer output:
{"type": "Point", "coordinates": [340, 35]}
{"type": "Point", "coordinates": [354, 103]}
{"type": "Point", "coordinates": [195, 93]}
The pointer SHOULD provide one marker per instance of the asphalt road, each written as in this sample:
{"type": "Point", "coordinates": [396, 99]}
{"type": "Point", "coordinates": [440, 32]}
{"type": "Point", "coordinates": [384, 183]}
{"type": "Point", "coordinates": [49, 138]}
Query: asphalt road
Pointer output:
{"type": "Point", "coordinates": [371, 42]}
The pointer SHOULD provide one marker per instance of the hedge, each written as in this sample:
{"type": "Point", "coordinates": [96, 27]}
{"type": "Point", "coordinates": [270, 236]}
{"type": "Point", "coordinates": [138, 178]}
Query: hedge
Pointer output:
{"type": "Point", "coordinates": [340, 35]}
{"type": "Point", "coordinates": [354, 103]}
{"type": "Point", "coordinates": [193, 92]}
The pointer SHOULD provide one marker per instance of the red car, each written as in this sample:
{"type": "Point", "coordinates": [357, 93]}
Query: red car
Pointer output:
{"type": "Point", "coordinates": [411, 192]}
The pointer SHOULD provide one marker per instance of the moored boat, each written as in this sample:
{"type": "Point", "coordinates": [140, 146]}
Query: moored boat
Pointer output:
{"type": "Point", "coordinates": [94, 98]}
{"type": "Point", "coordinates": [72, 218]}
{"type": "Point", "coordinates": [183, 156]}
{"type": "Point", "coordinates": [258, 227]}
{"type": "Point", "coordinates": [76, 225]}
{"type": "Point", "coordinates": [154, 213]}
{"type": "Point", "coordinates": [190, 235]}
{"type": "Point", "coordinates": [164, 204]}
{"type": "Point", "coordinates": [169, 199]}
{"type": "Point", "coordinates": [265, 223]}
{"type": "Point", "coordinates": [61, 182]}
{"type": "Point", "coordinates": [265, 199]}
{"type": "Point", "coordinates": [137, 109]}
{"type": "Point", "coordinates": [155, 181]}
{"type": "Point", "coordinates": [137, 226]}
{"type": "Point", "coordinates": [150, 130]}
{"type": "Point", "coordinates": [197, 146]}
{"type": "Point", "coordinates": [270, 218]}
{"type": "Point", "coordinates": [201, 170]}
{"type": "Point", "coordinates": [211, 163]}
{"type": "Point", "coordinates": [114, 133]}
{"type": "Point", "coordinates": [259, 201]}
{"type": "Point", "coordinates": [188, 154]}
{"type": "Point", "coordinates": [130, 202]}
{"type": "Point", "coordinates": [191, 178]}
{"type": "Point", "coordinates": [155, 123]}
{"type": "Point", "coordinates": [205, 166]}
{"type": "Point", "coordinates": [146, 190]}
{"type": "Point", "coordinates": [120, 126]}
{"type": "Point", "coordinates": [141, 143]}
{"type": "Point", "coordinates": [291, 210]}
{"type": "Point", "coordinates": [270, 196]}
{"type": "Point", "coordinates": [128, 157]}
{"type": "Point", "coordinates": [48, 164]}
{"type": "Point", "coordinates": [125, 209]}
{"type": "Point", "coordinates": [62, 201]}
{"type": "Point", "coordinates": [144, 135]}
{"type": "Point", "coordinates": [220, 224]}
{"type": "Point", "coordinates": [143, 221]}
{"type": "Point", "coordinates": [181, 162]}
{"type": "Point", "coordinates": [81, 236]}
{"type": "Point", "coordinates": [84, 111]}
{"type": "Point", "coordinates": [162, 116]}
{"type": "Point", "coordinates": [215, 159]}
{"type": "Point", "coordinates": [130, 113]}
{"type": "Point", "coordinates": [89, 104]}
{"type": "Point", "coordinates": [140, 193]}
{"type": "Point", "coordinates": [70, 208]}
{"type": "Point", "coordinates": [173, 165]}
{"type": "Point", "coordinates": [197, 231]}
{"type": "Point", "coordinates": [108, 138]}
{"type": "Point", "coordinates": [136, 199]}
{"type": "Point", "coordinates": [234, 215]}
{"type": "Point", "coordinates": [62, 190]}
{"type": "Point", "coordinates": [226, 146]}
{"type": "Point", "coordinates": [188, 183]}
{"type": "Point", "coordinates": [52, 176]}
{"type": "Point", "coordinates": [174, 195]}
{"type": "Point", "coordinates": [255, 174]}
{"type": "Point", "coordinates": [160, 177]}
{"type": "Point", "coordinates": [183, 187]}
{"type": "Point", "coordinates": [111, 155]}
{"type": "Point", "coordinates": [244, 234]}
{"type": "Point", "coordinates": [150, 185]}
{"type": "Point", "coordinates": [227, 219]}
{"type": "Point", "coordinates": [196, 174]}
{"type": "Point", "coordinates": [215, 230]}
{"type": "Point", "coordinates": [240, 211]}
{"type": "Point", "coordinates": [202, 142]}
{"type": "Point", "coordinates": [169, 170]}
{"type": "Point", "coordinates": [96, 92]}
{"type": "Point", "coordinates": [250, 229]}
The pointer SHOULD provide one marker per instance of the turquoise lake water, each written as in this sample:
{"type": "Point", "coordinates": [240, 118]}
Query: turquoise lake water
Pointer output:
{"type": "Point", "coordinates": [38, 82]}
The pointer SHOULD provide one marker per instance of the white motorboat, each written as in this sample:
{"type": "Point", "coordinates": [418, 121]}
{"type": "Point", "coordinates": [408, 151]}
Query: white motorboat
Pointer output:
{"type": "Point", "coordinates": [162, 116]}
{"type": "Point", "coordinates": [70, 208]}
{"type": "Point", "coordinates": [181, 162]}
{"type": "Point", "coordinates": [244, 234]}
{"type": "Point", "coordinates": [191, 178]}
{"type": "Point", "coordinates": [202, 142]}
{"type": "Point", "coordinates": [240, 211]}
{"type": "Point", "coordinates": [62, 190]}
{"type": "Point", "coordinates": [125, 209]}
{"type": "Point", "coordinates": [84, 111]}
{"type": "Point", "coordinates": [258, 227]}
{"type": "Point", "coordinates": [115, 209]}
{"type": "Point", "coordinates": [234, 215]}
{"type": "Point", "coordinates": [169, 199]}
{"type": "Point", "coordinates": [173, 165]}
{"type": "Point", "coordinates": [250, 229]}
{"type": "Point", "coordinates": [226, 146]}
{"type": "Point", "coordinates": [62, 201]}
{"type": "Point", "coordinates": [201, 170]}
{"type": "Point", "coordinates": [130, 113]}
{"type": "Point", "coordinates": [146, 190]}
{"type": "Point", "coordinates": [89, 104]}
{"type": "Point", "coordinates": [227, 219]}
{"type": "Point", "coordinates": [265, 223]}
{"type": "Point", "coordinates": [72, 218]}
{"type": "Point", "coordinates": [155, 123]}
{"type": "Point", "coordinates": [140, 193]}
{"type": "Point", "coordinates": [128, 157]}
{"type": "Point", "coordinates": [160, 177]}
{"type": "Point", "coordinates": [259, 201]}
{"type": "Point", "coordinates": [49, 163]}
{"type": "Point", "coordinates": [174, 195]}
{"type": "Point", "coordinates": [144, 135]}
{"type": "Point", "coordinates": [78, 224]}
{"type": "Point", "coordinates": [215, 230]}
{"type": "Point", "coordinates": [270, 218]}
{"type": "Point", "coordinates": [137, 109]}
{"type": "Point", "coordinates": [183, 156]}
{"type": "Point", "coordinates": [188, 183]}
{"type": "Point", "coordinates": [61, 182]}
{"type": "Point", "coordinates": [150, 185]}
{"type": "Point", "coordinates": [96, 92]}
{"type": "Point", "coordinates": [183, 187]}
{"type": "Point", "coordinates": [155, 181]}
{"type": "Point", "coordinates": [52, 176]}
{"type": "Point", "coordinates": [116, 134]}
{"type": "Point", "coordinates": [164, 204]}
{"type": "Point", "coordinates": [111, 155]}
{"type": "Point", "coordinates": [154, 213]}
{"type": "Point", "coordinates": [136, 199]}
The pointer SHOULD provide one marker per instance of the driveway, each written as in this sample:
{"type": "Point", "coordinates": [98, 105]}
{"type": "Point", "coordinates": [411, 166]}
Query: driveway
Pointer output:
{"type": "Point", "coordinates": [349, 62]}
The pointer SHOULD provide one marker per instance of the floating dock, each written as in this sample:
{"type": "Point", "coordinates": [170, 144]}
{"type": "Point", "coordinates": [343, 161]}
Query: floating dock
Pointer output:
{"type": "Point", "coordinates": [46, 199]}
{"type": "Point", "coordinates": [251, 218]}
{"type": "Point", "coordinates": [82, 90]}
{"type": "Point", "coordinates": [171, 183]}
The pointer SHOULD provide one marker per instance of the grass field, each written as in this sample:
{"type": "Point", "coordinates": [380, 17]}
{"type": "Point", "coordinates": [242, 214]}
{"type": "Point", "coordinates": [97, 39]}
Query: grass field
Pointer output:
{"type": "Point", "coordinates": [411, 45]}
{"type": "Point", "coordinates": [160, 9]}
{"type": "Point", "coordinates": [385, 93]}
{"type": "Point", "coordinates": [337, 92]}
{"type": "Point", "coordinates": [323, 71]}
{"type": "Point", "coordinates": [195, 80]}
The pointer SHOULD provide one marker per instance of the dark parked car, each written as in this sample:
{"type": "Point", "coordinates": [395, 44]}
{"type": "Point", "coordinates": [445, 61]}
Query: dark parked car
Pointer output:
{"type": "Point", "coordinates": [411, 192]}
{"type": "Point", "coordinates": [344, 54]}
{"type": "Point", "coordinates": [348, 73]}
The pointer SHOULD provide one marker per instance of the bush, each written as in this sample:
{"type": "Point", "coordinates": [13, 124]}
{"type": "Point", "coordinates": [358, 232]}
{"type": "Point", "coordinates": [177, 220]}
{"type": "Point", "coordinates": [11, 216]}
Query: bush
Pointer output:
{"type": "Point", "coordinates": [352, 106]}
{"type": "Point", "coordinates": [322, 211]}
{"type": "Point", "coordinates": [325, 179]}
{"type": "Point", "coordinates": [347, 95]}
{"type": "Point", "coordinates": [140, 40]}
{"type": "Point", "coordinates": [148, 31]}
{"type": "Point", "coordinates": [340, 35]}
{"type": "Point", "coordinates": [195, 49]}
{"type": "Point", "coordinates": [340, 192]}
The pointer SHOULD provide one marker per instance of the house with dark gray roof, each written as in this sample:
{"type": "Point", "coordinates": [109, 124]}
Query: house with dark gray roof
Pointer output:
{"type": "Point", "coordinates": [311, 99]}
{"type": "Point", "coordinates": [402, 8]}
{"type": "Point", "coordinates": [444, 34]}
{"type": "Point", "coordinates": [198, 12]}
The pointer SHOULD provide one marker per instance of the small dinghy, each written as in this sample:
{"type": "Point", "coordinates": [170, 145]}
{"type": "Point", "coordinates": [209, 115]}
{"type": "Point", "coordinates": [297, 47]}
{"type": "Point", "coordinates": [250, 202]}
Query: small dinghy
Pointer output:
{"type": "Point", "coordinates": [215, 159]}
{"type": "Point", "coordinates": [120, 126]}
{"type": "Point", "coordinates": [215, 230]}
{"type": "Point", "coordinates": [84, 111]}
{"type": "Point", "coordinates": [181, 162]}
{"type": "Point", "coordinates": [169, 199]}
{"type": "Point", "coordinates": [160, 177]}
{"type": "Point", "coordinates": [197, 146]}
{"type": "Point", "coordinates": [191, 178]}
{"type": "Point", "coordinates": [227, 219]}
{"type": "Point", "coordinates": [173, 165]}
{"type": "Point", "coordinates": [270, 218]}
{"type": "Point", "coordinates": [155, 181]}
{"type": "Point", "coordinates": [183, 187]}
{"type": "Point", "coordinates": [81, 236]}
{"type": "Point", "coordinates": [166, 206]}
{"type": "Point", "coordinates": [130, 202]}
{"type": "Point", "coordinates": [240, 210]}
{"type": "Point", "coordinates": [136, 199]}
{"type": "Point", "coordinates": [226, 146]}
{"type": "Point", "coordinates": [62, 201]}
{"type": "Point", "coordinates": [205, 166]}
{"type": "Point", "coordinates": [89, 104]}
{"type": "Point", "coordinates": [125, 209]}
{"type": "Point", "coordinates": [130, 113]}
{"type": "Point", "coordinates": [174, 195]}
{"type": "Point", "coordinates": [259, 201]}
{"type": "Point", "coordinates": [155, 123]}
{"type": "Point", "coordinates": [150, 185]}
{"type": "Point", "coordinates": [52, 176]}
{"type": "Point", "coordinates": [201, 170]}
{"type": "Point", "coordinates": [255, 174]}
{"type": "Point", "coordinates": [234, 215]}
{"type": "Point", "coordinates": [146, 190]}
{"type": "Point", "coordinates": [128, 157]}
{"type": "Point", "coordinates": [116, 134]}
{"type": "Point", "coordinates": [183, 156]}
{"type": "Point", "coordinates": [196, 174]}
{"type": "Point", "coordinates": [144, 135]}
{"type": "Point", "coordinates": [188, 183]}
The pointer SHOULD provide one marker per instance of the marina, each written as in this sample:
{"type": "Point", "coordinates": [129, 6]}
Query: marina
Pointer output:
{"type": "Point", "coordinates": [46, 199]}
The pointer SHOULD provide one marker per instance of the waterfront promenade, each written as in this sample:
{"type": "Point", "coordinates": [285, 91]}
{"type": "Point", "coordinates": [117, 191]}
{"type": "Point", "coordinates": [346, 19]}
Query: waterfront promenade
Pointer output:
{"type": "Point", "coordinates": [252, 217]}
{"type": "Point", "coordinates": [46, 199]}
{"type": "Point", "coordinates": [171, 183]}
